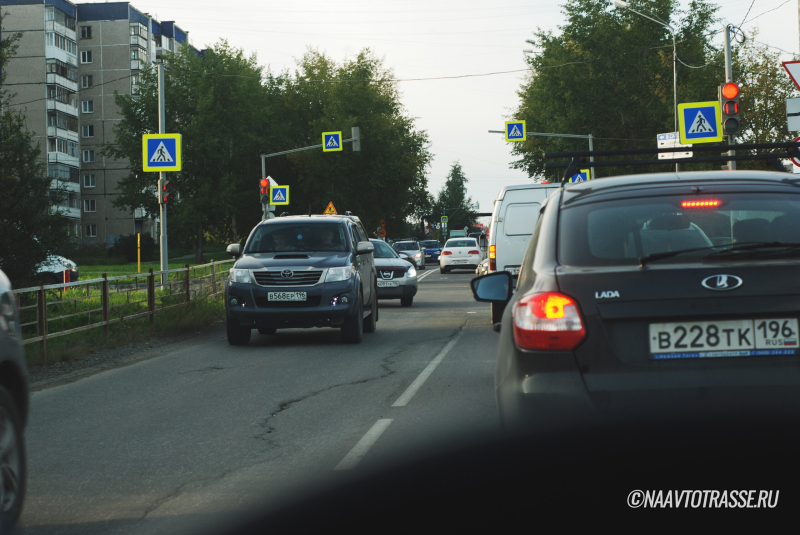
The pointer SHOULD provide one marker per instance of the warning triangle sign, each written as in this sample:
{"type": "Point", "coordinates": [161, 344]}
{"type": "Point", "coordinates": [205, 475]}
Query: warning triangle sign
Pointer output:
{"type": "Point", "coordinates": [161, 154]}
{"type": "Point", "coordinates": [700, 124]}
{"type": "Point", "coordinates": [279, 196]}
{"type": "Point", "coordinates": [515, 132]}
{"type": "Point", "coordinates": [332, 142]}
{"type": "Point", "coordinates": [330, 210]}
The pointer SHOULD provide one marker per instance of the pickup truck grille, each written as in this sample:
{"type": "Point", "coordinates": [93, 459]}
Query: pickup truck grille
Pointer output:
{"type": "Point", "coordinates": [298, 278]}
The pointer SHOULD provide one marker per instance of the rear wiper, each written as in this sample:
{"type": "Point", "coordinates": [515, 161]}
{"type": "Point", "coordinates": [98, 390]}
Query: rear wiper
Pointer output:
{"type": "Point", "coordinates": [755, 247]}
{"type": "Point", "coordinates": [669, 254]}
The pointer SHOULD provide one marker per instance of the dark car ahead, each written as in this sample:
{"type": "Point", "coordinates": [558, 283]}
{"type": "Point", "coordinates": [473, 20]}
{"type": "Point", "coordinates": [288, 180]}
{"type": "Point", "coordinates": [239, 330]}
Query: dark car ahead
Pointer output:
{"type": "Point", "coordinates": [432, 249]}
{"type": "Point", "coordinates": [302, 272]}
{"type": "Point", "coordinates": [649, 296]}
{"type": "Point", "coordinates": [14, 403]}
{"type": "Point", "coordinates": [397, 278]}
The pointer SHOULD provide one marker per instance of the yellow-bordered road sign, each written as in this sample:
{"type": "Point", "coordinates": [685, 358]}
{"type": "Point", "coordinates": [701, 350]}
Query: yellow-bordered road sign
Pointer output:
{"type": "Point", "coordinates": [515, 131]}
{"type": "Point", "coordinates": [161, 152]}
{"type": "Point", "coordinates": [331, 141]}
{"type": "Point", "coordinates": [583, 176]}
{"type": "Point", "coordinates": [279, 195]}
{"type": "Point", "coordinates": [700, 122]}
{"type": "Point", "coordinates": [330, 209]}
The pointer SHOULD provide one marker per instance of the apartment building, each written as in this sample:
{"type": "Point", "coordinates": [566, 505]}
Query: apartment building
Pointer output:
{"type": "Point", "coordinates": [43, 76]}
{"type": "Point", "coordinates": [70, 61]}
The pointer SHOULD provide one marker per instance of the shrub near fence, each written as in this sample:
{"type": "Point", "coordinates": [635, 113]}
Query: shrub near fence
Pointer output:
{"type": "Point", "coordinates": [61, 309]}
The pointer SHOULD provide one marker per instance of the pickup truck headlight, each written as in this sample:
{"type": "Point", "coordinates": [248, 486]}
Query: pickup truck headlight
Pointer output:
{"type": "Point", "coordinates": [339, 274]}
{"type": "Point", "coordinates": [240, 275]}
{"type": "Point", "coordinates": [411, 272]}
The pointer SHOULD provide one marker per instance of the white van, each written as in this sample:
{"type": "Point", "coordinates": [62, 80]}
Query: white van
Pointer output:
{"type": "Point", "coordinates": [516, 210]}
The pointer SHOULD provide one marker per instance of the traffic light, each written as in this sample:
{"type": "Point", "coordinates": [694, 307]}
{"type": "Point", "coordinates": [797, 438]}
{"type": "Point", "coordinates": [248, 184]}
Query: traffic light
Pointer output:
{"type": "Point", "coordinates": [729, 103]}
{"type": "Point", "coordinates": [264, 191]}
{"type": "Point", "coordinates": [164, 191]}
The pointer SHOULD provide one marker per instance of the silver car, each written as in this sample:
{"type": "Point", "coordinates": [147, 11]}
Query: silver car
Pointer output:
{"type": "Point", "coordinates": [413, 250]}
{"type": "Point", "coordinates": [397, 278]}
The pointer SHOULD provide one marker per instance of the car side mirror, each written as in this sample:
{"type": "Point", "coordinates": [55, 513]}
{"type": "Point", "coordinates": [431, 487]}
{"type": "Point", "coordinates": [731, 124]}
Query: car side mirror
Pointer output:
{"type": "Point", "coordinates": [494, 288]}
{"type": "Point", "coordinates": [364, 247]}
{"type": "Point", "coordinates": [235, 250]}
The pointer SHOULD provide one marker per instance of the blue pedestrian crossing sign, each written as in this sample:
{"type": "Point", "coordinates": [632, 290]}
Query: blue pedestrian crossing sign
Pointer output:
{"type": "Point", "coordinates": [444, 220]}
{"type": "Point", "coordinates": [331, 141]}
{"type": "Point", "coordinates": [700, 122]}
{"type": "Point", "coordinates": [161, 152]}
{"type": "Point", "coordinates": [279, 195]}
{"type": "Point", "coordinates": [515, 131]}
{"type": "Point", "coordinates": [583, 176]}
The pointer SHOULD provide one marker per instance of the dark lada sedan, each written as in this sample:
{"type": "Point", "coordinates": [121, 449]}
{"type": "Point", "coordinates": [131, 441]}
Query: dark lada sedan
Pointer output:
{"type": "Point", "coordinates": [301, 272]}
{"type": "Point", "coordinates": [651, 297]}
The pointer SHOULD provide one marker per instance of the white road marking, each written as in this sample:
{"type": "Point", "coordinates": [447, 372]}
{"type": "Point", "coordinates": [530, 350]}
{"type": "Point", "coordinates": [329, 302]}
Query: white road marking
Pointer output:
{"type": "Point", "coordinates": [362, 447]}
{"type": "Point", "coordinates": [403, 400]}
{"type": "Point", "coordinates": [424, 275]}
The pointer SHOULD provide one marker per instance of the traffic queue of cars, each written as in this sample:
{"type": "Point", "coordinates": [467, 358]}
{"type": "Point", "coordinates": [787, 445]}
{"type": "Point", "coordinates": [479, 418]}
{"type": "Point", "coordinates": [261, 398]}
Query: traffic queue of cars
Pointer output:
{"type": "Point", "coordinates": [648, 297]}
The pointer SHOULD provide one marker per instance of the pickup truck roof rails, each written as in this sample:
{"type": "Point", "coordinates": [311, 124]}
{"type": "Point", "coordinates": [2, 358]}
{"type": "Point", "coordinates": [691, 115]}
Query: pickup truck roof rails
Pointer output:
{"type": "Point", "coordinates": [579, 158]}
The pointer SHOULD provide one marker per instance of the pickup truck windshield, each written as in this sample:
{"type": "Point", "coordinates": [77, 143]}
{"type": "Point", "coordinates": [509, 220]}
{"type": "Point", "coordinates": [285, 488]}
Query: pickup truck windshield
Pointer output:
{"type": "Point", "coordinates": [279, 237]}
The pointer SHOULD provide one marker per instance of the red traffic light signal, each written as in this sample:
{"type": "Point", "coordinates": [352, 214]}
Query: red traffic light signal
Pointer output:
{"type": "Point", "coordinates": [729, 104]}
{"type": "Point", "coordinates": [264, 191]}
{"type": "Point", "coordinates": [730, 90]}
{"type": "Point", "coordinates": [165, 191]}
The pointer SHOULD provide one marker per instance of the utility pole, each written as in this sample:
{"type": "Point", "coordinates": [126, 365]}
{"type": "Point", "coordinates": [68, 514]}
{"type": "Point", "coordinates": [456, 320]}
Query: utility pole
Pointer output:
{"type": "Point", "coordinates": [162, 127]}
{"type": "Point", "coordinates": [729, 78]}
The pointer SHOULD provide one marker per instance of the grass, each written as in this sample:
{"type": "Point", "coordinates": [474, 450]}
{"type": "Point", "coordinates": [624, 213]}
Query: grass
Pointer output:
{"type": "Point", "coordinates": [112, 270]}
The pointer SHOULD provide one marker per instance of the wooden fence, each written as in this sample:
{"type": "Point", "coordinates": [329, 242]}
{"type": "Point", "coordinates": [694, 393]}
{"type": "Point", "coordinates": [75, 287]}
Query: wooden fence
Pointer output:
{"type": "Point", "coordinates": [61, 309]}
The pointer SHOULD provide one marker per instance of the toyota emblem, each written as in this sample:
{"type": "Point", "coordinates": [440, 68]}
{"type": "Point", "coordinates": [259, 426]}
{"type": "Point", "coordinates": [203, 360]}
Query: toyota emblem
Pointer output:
{"type": "Point", "coordinates": [287, 273]}
{"type": "Point", "coordinates": [722, 282]}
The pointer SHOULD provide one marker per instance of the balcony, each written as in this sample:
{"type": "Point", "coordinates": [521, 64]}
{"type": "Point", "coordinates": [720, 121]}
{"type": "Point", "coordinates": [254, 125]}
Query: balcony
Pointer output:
{"type": "Point", "coordinates": [138, 40]}
{"type": "Point", "coordinates": [134, 89]}
{"type": "Point", "coordinates": [71, 187]}
{"type": "Point", "coordinates": [135, 64]}
{"type": "Point", "coordinates": [53, 26]}
{"type": "Point", "coordinates": [69, 109]}
{"type": "Point", "coordinates": [68, 211]}
{"type": "Point", "coordinates": [54, 131]}
{"type": "Point", "coordinates": [60, 157]}
{"type": "Point", "coordinates": [53, 78]}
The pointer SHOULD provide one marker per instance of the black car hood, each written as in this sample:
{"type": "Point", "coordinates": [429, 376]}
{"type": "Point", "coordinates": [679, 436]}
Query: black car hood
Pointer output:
{"type": "Point", "coordinates": [315, 259]}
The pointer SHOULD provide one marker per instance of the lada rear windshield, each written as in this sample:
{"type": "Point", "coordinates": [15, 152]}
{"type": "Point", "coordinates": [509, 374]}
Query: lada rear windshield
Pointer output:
{"type": "Point", "coordinates": [621, 232]}
{"type": "Point", "coordinates": [279, 237]}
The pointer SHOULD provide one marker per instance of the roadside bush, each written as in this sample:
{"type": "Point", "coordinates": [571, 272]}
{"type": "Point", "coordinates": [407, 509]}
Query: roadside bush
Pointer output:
{"type": "Point", "coordinates": [126, 248]}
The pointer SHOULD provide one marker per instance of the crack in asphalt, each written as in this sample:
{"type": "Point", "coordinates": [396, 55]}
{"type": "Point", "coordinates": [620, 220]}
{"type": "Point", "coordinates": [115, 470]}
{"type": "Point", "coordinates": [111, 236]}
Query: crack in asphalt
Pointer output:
{"type": "Point", "coordinates": [284, 405]}
{"type": "Point", "coordinates": [206, 369]}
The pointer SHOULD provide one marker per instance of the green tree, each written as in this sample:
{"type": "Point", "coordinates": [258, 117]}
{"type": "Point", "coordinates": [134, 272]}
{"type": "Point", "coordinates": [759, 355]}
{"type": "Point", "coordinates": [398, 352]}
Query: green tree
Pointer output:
{"type": "Point", "coordinates": [31, 228]}
{"type": "Point", "coordinates": [454, 202]}
{"type": "Point", "coordinates": [609, 73]}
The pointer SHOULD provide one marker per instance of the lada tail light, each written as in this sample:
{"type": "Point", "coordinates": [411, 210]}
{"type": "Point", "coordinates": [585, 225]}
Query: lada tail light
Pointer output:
{"type": "Point", "coordinates": [445, 253]}
{"type": "Point", "coordinates": [493, 257]}
{"type": "Point", "coordinates": [548, 321]}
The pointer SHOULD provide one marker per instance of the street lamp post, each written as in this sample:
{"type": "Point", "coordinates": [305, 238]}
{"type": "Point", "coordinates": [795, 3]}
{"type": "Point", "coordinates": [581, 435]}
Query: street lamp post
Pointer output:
{"type": "Point", "coordinates": [654, 18]}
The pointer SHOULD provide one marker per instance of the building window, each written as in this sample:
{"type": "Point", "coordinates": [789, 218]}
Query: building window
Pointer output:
{"type": "Point", "coordinates": [88, 156]}
{"type": "Point", "coordinates": [86, 81]}
{"type": "Point", "coordinates": [134, 53]}
{"type": "Point", "coordinates": [88, 181]}
{"type": "Point", "coordinates": [62, 69]}
{"type": "Point", "coordinates": [87, 130]}
{"type": "Point", "coordinates": [91, 231]}
{"type": "Point", "coordinates": [86, 56]}
{"type": "Point", "coordinates": [87, 106]}
{"type": "Point", "coordinates": [63, 146]}
{"type": "Point", "coordinates": [89, 205]}
{"type": "Point", "coordinates": [58, 171]}
{"type": "Point", "coordinates": [86, 32]}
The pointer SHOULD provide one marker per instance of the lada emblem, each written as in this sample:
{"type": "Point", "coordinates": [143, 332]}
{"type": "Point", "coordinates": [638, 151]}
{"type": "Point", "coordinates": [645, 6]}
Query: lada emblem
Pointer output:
{"type": "Point", "coordinates": [287, 273]}
{"type": "Point", "coordinates": [722, 282]}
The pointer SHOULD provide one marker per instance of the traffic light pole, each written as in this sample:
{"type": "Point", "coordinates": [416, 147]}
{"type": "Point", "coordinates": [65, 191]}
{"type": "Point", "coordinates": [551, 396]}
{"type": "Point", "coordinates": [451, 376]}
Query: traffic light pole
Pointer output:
{"type": "Point", "coordinates": [729, 78]}
{"type": "Point", "coordinates": [162, 127]}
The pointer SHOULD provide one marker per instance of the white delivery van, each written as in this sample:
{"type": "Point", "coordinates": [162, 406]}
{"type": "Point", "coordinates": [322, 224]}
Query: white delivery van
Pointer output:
{"type": "Point", "coordinates": [514, 217]}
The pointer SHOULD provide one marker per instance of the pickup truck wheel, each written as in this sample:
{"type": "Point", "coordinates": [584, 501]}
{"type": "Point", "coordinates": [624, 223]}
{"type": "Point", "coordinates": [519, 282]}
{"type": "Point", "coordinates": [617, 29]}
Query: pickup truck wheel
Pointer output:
{"type": "Point", "coordinates": [371, 321]}
{"type": "Point", "coordinates": [237, 334]}
{"type": "Point", "coordinates": [12, 461]}
{"type": "Point", "coordinates": [353, 328]}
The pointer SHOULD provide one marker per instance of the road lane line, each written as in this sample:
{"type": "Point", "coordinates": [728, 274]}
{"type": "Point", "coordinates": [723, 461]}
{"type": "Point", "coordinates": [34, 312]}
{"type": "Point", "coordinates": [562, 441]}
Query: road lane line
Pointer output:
{"type": "Point", "coordinates": [424, 275]}
{"type": "Point", "coordinates": [362, 447]}
{"type": "Point", "coordinates": [403, 400]}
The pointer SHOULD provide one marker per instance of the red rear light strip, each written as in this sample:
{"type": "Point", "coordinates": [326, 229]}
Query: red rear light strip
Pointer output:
{"type": "Point", "coordinates": [701, 204]}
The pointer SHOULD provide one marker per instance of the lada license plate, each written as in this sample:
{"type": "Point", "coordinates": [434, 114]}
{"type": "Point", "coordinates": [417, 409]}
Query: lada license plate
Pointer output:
{"type": "Point", "coordinates": [388, 284]}
{"type": "Point", "coordinates": [287, 296]}
{"type": "Point", "coordinates": [731, 338]}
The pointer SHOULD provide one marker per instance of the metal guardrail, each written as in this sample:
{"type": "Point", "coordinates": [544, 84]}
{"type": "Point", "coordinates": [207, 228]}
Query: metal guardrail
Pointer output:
{"type": "Point", "coordinates": [53, 310]}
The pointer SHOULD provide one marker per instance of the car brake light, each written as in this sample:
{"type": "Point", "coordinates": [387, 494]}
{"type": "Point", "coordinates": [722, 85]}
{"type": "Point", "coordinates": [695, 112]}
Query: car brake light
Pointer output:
{"type": "Point", "coordinates": [493, 258]}
{"type": "Point", "coordinates": [445, 253]}
{"type": "Point", "coordinates": [474, 252]}
{"type": "Point", "coordinates": [548, 321]}
{"type": "Point", "coordinates": [707, 203]}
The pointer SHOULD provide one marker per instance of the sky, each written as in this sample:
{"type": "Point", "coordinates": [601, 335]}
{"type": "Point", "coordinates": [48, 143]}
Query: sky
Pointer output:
{"type": "Point", "coordinates": [432, 39]}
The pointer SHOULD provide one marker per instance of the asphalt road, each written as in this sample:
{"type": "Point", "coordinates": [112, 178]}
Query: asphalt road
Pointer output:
{"type": "Point", "coordinates": [168, 444]}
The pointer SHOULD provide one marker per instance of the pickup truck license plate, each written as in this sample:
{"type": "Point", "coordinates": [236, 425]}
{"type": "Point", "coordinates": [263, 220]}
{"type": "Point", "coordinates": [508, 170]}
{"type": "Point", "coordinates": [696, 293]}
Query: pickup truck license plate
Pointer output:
{"type": "Point", "coordinates": [388, 284]}
{"type": "Point", "coordinates": [287, 296]}
{"type": "Point", "coordinates": [731, 338]}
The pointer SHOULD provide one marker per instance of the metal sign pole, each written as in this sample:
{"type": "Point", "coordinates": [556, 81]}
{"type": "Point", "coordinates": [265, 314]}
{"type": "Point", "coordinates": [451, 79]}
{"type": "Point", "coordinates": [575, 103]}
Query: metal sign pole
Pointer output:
{"type": "Point", "coordinates": [729, 78]}
{"type": "Point", "coordinates": [162, 123]}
